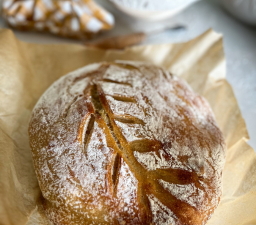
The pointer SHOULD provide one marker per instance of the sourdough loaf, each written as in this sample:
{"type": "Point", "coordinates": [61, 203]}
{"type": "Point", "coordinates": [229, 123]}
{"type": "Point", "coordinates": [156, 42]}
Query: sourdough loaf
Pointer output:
{"type": "Point", "coordinates": [126, 143]}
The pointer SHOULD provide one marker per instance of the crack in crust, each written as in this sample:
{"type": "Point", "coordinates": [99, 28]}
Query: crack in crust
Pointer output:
{"type": "Point", "coordinates": [129, 119]}
{"type": "Point", "coordinates": [123, 98]}
{"type": "Point", "coordinates": [99, 109]}
{"type": "Point", "coordinates": [66, 112]}
{"type": "Point", "coordinates": [116, 82]}
{"type": "Point", "coordinates": [88, 132]}
{"type": "Point", "coordinates": [115, 172]}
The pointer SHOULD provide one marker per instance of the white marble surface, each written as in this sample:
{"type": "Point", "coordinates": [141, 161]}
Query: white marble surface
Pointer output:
{"type": "Point", "coordinates": [239, 46]}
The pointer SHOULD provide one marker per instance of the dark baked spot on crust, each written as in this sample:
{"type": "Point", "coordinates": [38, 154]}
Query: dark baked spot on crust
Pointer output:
{"type": "Point", "coordinates": [145, 145]}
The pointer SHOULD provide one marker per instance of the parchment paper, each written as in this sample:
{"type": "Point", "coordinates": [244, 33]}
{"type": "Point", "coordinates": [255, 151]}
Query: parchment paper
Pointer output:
{"type": "Point", "coordinates": [27, 70]}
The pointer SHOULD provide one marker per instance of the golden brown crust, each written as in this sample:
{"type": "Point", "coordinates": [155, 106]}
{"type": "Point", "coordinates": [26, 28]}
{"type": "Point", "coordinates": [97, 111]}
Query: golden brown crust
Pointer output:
{"type": "Point", "coordinates": [126, 143]}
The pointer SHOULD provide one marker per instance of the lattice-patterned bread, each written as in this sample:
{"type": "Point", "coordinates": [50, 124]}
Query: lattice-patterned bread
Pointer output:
{"type": "Point", "coordinates": [126, 143]}
{"type": "Point", "coordinates": [68, 18]}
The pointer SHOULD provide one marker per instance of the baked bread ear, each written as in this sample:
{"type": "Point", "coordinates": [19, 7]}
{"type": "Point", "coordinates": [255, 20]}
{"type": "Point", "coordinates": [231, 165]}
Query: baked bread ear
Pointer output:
{"type": "Point", "coordinates": [126, 143]}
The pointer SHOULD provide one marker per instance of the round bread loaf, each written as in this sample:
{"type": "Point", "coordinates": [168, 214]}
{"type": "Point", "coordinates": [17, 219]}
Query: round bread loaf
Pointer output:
{"type": "Point", "coordinates": [126, 143]}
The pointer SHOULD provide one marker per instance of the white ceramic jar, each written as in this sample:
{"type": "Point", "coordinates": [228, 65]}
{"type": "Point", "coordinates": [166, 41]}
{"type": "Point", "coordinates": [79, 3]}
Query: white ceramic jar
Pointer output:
{"type": "Point", "coordinates": [151, 10]}
{"type": "Point", "coordinates": [244, 10]}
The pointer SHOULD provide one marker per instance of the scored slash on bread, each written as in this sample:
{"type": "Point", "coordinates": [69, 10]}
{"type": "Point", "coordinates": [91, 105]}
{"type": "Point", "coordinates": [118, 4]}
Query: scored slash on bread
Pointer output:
{"type": "Point", "coordinates": [126, 143]}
